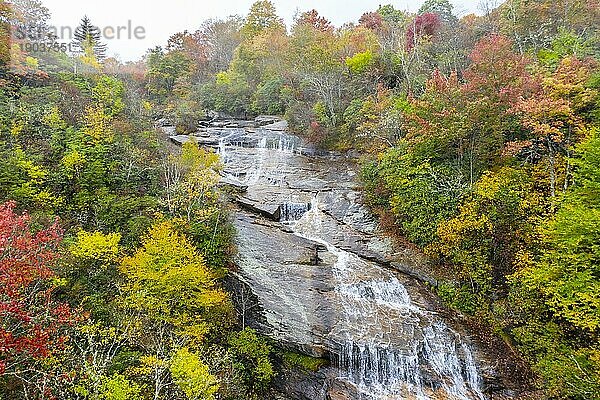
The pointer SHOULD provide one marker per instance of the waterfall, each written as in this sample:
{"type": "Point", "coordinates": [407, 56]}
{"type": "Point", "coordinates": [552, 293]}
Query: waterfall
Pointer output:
{"type": "Point", "coordinates": [382, 349]}
{"type": "Point", "coordinates": [290, 212]}
{"type": "Point", "coordinates": [270, 149]}
{"type": "Point", "coordinates": [384, 346]}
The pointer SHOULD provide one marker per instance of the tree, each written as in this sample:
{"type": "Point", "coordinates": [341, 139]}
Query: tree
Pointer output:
{"type": "Point", "coordinates": [497, 72]}
{"type": "Point", "coordinates": [190, 181]}
{"type": "Point", "coordinates": [34, 326]}
{"type": "Point", "coordinates": [168, 292]}
{"type": "Point", "coordinates": [253, 353]}
{"type": "Point", "coordinates": [88, 40]}
{"type": "Point", "coordinates": [5, 37]}
{"type": "Point", "coordinates": [166, 70]}
{"type": "Point", "coordinates": [480, 246]}
{"type": "Point", "coordinates": [221, 37]}
{"type": "Point", "coordinates": [442, 8]}
{"type": "Point", "coordinates": [192, 376]}
{"type": "Point", "coordinates": [371, 20]}
{"type": "Point", "coordinates": [169, 282]}
{"type": "Point", "coordinates": [554, 119]}
{"type": "Point", "coordinates": [391, 14]}
{"type": "Point", "coordinates": [262, 16]}
{"type": "Point", "coordinates": [30, 19]}
{"type": "Point", "coordinates": [520, 20]}
{"type": "Point", "coordinates": [424, 25]}
{"type": "Point", "coordinates": [316, 21]}
{"type": "Point", "coordinates": [567, 275]}
{"type": "Point", "coordinates": [561, 331]}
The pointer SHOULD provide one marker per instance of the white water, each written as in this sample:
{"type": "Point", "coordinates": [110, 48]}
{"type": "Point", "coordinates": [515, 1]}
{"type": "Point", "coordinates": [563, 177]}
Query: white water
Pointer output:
{"type": "Point", "coordinates": [377, 311]}
{"type": "Point", "coordinates": [387, 347]}
{"type": "Point", "coordinates": [271, 150]}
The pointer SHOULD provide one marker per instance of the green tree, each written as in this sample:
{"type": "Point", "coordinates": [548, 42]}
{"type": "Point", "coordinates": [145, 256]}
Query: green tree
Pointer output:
{"type": "Point", "coordinates": [88, 40]}
{"type": "Point", "coordinates": [253, 353]}
{"type": "Point", "coordinates": [262, 16]}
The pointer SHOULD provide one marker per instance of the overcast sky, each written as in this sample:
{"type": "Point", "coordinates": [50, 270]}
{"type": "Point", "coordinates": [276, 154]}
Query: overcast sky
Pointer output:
{"type": "Point", "coordinates": [161, 19]}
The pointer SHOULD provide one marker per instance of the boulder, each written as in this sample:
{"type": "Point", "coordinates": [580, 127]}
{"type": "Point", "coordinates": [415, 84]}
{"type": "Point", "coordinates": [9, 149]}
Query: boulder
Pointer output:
{"type": "Point", "coordinates": [262, 120]}
{"type": "Point", "coordinates": [180, 139]}
{"type": "Point", "coordinates": [270, 211]}
{"type": "Point", "coordinates": [279, 126]}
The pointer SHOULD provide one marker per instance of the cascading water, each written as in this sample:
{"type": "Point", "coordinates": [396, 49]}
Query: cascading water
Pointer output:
{"type": "Point", "coordinates": [375, 312]}
{"type": "Point", "coordinates": [385, 347]}
{"type": "Point", "coordinates": [270, 149]}
{"type": "Point", "coordinates": [289, 212]}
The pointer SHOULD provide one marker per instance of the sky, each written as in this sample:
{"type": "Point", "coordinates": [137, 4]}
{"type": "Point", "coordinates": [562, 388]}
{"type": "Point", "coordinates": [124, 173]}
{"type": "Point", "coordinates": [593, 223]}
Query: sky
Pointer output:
{"type": "Point", "coordinates": [160, 20]}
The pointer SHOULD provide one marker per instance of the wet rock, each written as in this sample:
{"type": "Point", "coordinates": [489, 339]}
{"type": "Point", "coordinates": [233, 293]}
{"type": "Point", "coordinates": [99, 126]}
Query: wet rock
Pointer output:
{"type": "Point", "coordinates": [180, 139]}
{"type": "Point", "coordinates": [236, 185]}
{"type": "Point", "coordinates": [303, 385]}
{"type": "Point", "coordinates": [202, 132]}
{"type": "Point", "coordinates": [292, 292]}
{"type": "Point", "coordinates": [270, 211]}
{"type": "Point", "coordinates": [207, 141]}
{"type": "Point", "coordinates": [263, 120]}
{"type": "Point", "coordinates": [277, 126]}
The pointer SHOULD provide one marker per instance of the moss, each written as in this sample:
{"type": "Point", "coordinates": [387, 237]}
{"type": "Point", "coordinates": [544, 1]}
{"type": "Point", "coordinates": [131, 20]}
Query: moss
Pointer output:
{"type": "Point", "coordinates": [293, 360]}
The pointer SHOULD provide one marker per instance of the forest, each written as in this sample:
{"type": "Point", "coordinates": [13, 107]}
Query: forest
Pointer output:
{"type": "Point", "coordinates": [478, 139]}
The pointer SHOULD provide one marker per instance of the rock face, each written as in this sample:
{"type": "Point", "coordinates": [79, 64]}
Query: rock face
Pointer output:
{"type": "Point", "coordinates": [268, 255]}
{"type": "Point", "coordinates": [323, 281]}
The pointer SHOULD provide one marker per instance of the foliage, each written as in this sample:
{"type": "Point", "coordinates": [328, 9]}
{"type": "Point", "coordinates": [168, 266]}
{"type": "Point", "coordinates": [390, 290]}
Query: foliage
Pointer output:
{"type": "Point", "coordinates": [168, 282]}
{"type": "Point", "coordinates": [190, 180]}
{"type": "Point", "coordinates": [34, 326]}
{"type": "Point", "coordinates": [419, 195]}
{"type": "Point", "coordinates": [479, 141]}
{"type": "Point", "coordinates": [192, 376]}
{"type": "Point", "coordinates": [117, 387]}
{"type": "Point", "coordinates": [253, 354]}
{"type": "Point", "coordinates": [304, 362]}
{"type": "Point", "coordinates": [567, 273]}
{"type": "Point", "coordinates": [96, 246]}
{"type": "Point", "coordinates": [481, 244]}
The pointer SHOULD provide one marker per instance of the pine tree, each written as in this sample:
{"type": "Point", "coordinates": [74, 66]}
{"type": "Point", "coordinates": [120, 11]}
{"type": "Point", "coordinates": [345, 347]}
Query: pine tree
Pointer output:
{"type": "Point", "coordinates": [87, 39]}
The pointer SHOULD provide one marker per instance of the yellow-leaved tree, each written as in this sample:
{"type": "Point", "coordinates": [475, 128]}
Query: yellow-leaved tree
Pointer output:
{"type": "Point", "coordinates": [190, 182]}
{"type": "Point", "coordinates": [169, 291]}
{"type": "Point", "coordinates": [192, 376]}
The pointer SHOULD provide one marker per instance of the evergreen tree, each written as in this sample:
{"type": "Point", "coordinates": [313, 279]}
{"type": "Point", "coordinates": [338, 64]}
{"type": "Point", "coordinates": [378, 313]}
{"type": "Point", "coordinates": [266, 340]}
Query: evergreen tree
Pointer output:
{"type": "Point", "coordinates": [87, 39]}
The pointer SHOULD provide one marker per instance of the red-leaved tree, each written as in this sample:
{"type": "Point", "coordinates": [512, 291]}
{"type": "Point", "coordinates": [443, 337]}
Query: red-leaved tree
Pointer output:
{"type": "Point", "coordinates": [423, 25]}
{"type": "Point", "coordinates": [32, 324]}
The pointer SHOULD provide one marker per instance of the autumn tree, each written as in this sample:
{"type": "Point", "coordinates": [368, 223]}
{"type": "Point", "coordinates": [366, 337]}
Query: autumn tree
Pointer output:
{"type": "Point", "coordinates": [221, 37]}
{"type": "Point", "coordinates": [316, 21]}
{"type": "Point", "coordinates": [520, 20]}
{"type": "Point", "coordinates": [34, 326]}
{"type": "Point", "coordinates": [262, 16]}
{"type": "Point", "coordinates": [560, 333]}
{"type": "Point", "coordinates": [5, 39]}
{"type": "Point", "coordinates": [169, 291]}
{"type": "Point", "coordinates": [190, 180]}
{"type": "Point", "coordinates": [442, 8]}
